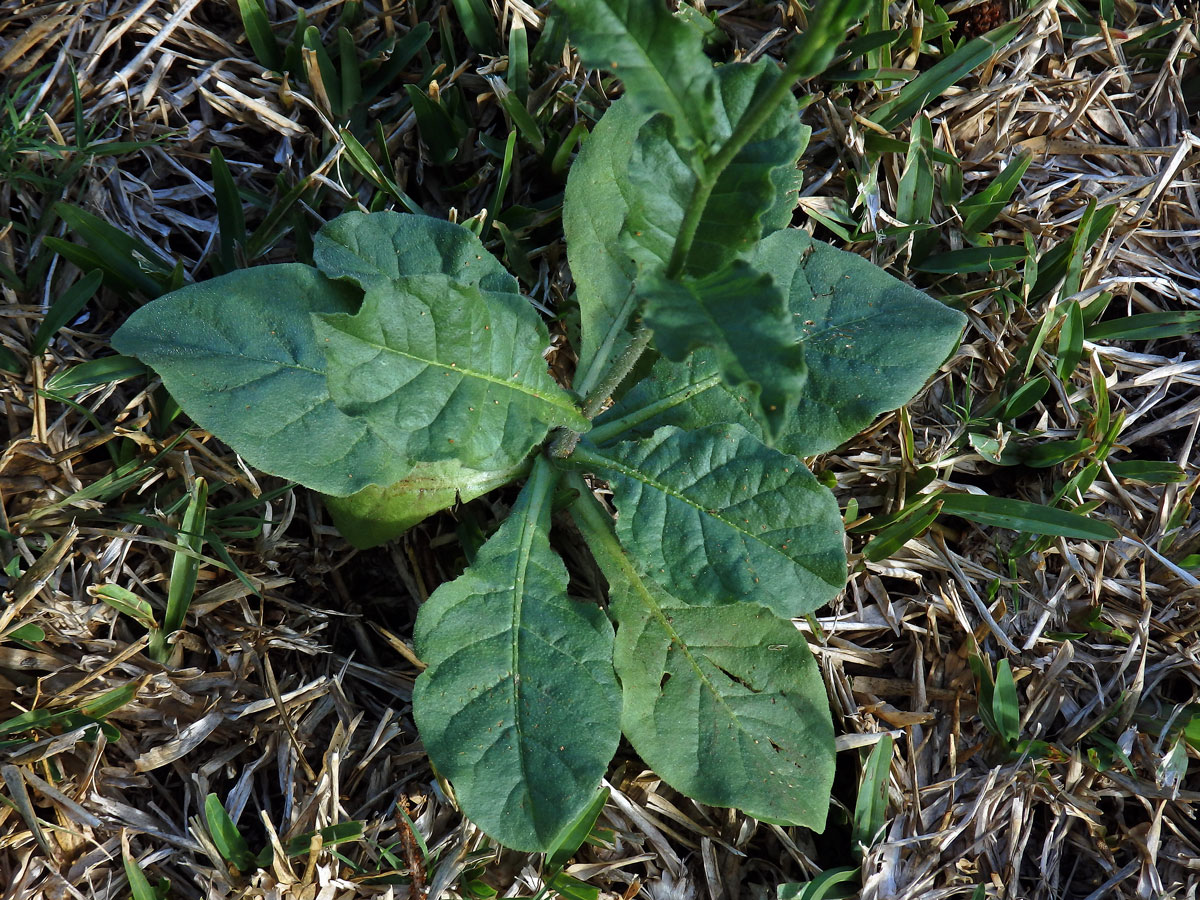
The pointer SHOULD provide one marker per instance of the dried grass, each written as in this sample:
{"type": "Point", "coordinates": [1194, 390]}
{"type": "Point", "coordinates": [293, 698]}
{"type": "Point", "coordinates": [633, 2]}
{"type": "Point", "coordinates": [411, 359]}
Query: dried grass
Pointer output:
{"type": "Point", "coordinates": [292, 702]}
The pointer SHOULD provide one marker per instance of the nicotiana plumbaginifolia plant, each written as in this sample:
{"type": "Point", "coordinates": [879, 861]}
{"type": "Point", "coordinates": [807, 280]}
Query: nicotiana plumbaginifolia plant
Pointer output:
{"type": "Point", "coordinates": [405, 371]}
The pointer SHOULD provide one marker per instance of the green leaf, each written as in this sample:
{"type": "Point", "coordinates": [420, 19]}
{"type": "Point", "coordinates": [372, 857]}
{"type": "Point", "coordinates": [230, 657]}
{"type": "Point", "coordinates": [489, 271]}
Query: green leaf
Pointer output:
{"type": "Point", "coordinates": [568, 842]}
{"type": "Point", "coordinates": [376, 249]}
{"type": "Point", "coordinates": [930, 84]}
{"type": "Point", "coordinates": [376, 514]}
{"type": "Point", "coordinates": [443, 371]}
{"type": "Point", "coordinates": [64, 309]}
{"type": "Point", "coordinates": [870, 342]}
{"type": "Point", "coordinates": [724, 703]}
{"type": "Point", "coordinates": [1006, 711]}
{"type": "Point", "coordinates": [870, 810]}
{"type": "Point", "coordinates": [914, 194]}
{"type": "Point", "coordinates": [595, 205]}
{"type": "Point", "coordinates": [609, 195]}
{"type": "Point", "coordinates": [94, 372]}
{"type": "Point", "coordinates": [973, 259]}
{"type": "Point", "coordinates": [479, 25]}
{"type": "Point", "coordinates": [832, 884]}
{"type": "Point", "coordinates": [258, 33]}
{"type": "Point", "coordinates": [226, 836]}
{"type": "Point", "coordinates": [659, 58]}
{"type": "Point", "coordinates": [717, 517]}
{"type": "Point", "coordinates": [742, 315]}
{"type": "Point", "coordinates": [753, 195]}
{"type": "Point", "coordinates": [519, 705]}
{"type": "Point", "coordinates": [239, 354]}
{"type": "Point", "coordinates": [1146, 326]}
{"type": "Point", "coordinates": [1021, 516]}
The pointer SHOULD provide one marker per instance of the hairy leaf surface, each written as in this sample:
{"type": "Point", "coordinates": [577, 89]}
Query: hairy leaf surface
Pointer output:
{"type": "Point", "coordinates": [239, 355]}
{"type": "Point", "coordinates": [741, 315]}
{"type": "Point", "coordinates": [658, 57]}
{"type": "Point", "coordinates": [519, 706]}
{"type": "Point", "coordinates": [870, 343]}
{"type": "Point", "coordinates": [377, 514]}
{"type": "Point", "coordinates": [439, 371]}
{"type": "Point", "coordinates": [717, 517]}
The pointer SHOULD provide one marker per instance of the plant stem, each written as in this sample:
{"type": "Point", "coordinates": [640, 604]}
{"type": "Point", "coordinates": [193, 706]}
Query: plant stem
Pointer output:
{"type": "Point", "coordinates": [622, 367]}
{"type": "Point", "coordinates": [617, 427]}
{"type": "Point", "coordinates": [595, 369]}
{"type": "Point", "coordinates": [566, 441]}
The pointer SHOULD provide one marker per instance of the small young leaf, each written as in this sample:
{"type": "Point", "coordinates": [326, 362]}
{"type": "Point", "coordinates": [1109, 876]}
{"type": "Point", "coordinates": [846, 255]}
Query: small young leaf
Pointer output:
{"type": "Point", "coordinates": [753, 195]}
{"type": "Point", "coordinates": [519, 706]}
{"type": "Point", "coordinates": [717, 517]}
{"type": "Point", "coordinates": [609, 195]}
{"type": "Point", "coordinates": [659, 58]}
{"type": "Point", "coordinates": [743, 316]}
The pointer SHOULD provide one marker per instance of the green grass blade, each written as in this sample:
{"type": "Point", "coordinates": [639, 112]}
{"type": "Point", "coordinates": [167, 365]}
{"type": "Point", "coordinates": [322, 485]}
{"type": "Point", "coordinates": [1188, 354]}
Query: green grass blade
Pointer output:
{"type": "Point", "coordinates": [231, 221]}
{"type": "Point", "coordinates": [479, 25]}
{"type": "Point", "coordinates": [94, 372]}
{"type": "Point", "coordinates": [64, 309]}
{"type": "Point", "coordinates": [184, 569]}
{"type": "Point", "coordinates": [929, 85]}
{"type": "Point", "coordinates": [870, 810]}
{"type": "Point", "coordinates": [973, 259]}
{"type": "Point", "coordinates": [1147, 327]}
{"type": "Point", "coordinates": [1006, 710]}
{"type": "Point", "coordinates": [226, 836]}
{"type": "Point", "coordinates": [1026, 517]}
{"type": "Point", "coordinates": [258, 33]}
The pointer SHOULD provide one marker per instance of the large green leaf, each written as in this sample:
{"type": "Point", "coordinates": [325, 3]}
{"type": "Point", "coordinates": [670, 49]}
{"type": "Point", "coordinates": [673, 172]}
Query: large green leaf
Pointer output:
{"type": "Point", "coordinates": [659, 58]}
{"type": "Point", "coordinates": [378, 514]}
{"type": "Point", "coordinates": [519, 706]}
{"type": "Point", "coordinates": [716, 516]}
{"type": "Point", "coordinates": [741, 315]}
{"type": "Point", "coordinates": [239, 355]}
{"type": "Point", "coordinates": [440, 371]}
{"type": "Point", "coordinates": [752, 195]}
{"type": "Point", "coordinates": [870, 343]}
{"type": "Point", "coordinates": [375, 249]}
{"type": "Point", "coordinates": [724, 703]}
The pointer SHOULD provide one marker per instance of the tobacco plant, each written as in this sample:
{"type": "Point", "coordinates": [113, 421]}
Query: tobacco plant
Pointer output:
{"type": "Point", "coordinates": [405, 372]}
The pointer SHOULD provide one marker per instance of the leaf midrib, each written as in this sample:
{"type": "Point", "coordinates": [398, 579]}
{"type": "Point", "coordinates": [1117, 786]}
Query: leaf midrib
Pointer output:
{"type": "Point", "coordinates": [518, 387]}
